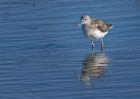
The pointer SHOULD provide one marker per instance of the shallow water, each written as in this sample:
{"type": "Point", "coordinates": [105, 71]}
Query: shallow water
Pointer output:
{"type": "Point", "coordinates": [43, 55]}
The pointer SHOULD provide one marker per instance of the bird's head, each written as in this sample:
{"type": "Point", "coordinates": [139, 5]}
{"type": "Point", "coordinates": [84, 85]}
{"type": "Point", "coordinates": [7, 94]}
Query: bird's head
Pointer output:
{"type": "Point", "coordinates": [85, 19]}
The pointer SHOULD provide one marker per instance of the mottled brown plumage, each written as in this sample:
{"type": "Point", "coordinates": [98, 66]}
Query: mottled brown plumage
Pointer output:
{"type": "Point", "coordinates": [101, 25]}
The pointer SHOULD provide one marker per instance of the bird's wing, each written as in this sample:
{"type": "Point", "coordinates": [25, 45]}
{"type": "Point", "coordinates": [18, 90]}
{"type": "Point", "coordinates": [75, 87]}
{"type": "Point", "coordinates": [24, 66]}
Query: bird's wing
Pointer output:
{"type": "Point", "coordinates": [102, 26]}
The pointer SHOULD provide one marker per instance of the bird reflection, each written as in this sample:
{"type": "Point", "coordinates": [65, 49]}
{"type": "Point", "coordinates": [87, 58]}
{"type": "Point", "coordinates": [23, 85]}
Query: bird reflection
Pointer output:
{"type": "Point", "coordinates": [93, 67]}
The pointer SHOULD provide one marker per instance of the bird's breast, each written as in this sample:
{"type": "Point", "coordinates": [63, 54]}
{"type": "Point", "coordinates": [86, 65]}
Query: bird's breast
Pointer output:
{"type": "Point", "coordinates": [87, 30]}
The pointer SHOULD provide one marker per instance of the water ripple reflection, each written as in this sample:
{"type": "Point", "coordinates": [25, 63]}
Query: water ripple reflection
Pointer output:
{"type": "Point", "coordinates": [94, 66]}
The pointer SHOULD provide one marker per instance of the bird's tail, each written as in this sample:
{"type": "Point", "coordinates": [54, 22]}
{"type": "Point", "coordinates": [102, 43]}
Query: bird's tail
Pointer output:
{"type": "Point", "coordinates": [110, 26]}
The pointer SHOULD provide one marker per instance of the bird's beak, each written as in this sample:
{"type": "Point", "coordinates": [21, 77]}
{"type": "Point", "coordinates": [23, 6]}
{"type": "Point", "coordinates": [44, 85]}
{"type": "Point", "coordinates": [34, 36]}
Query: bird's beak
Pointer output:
{"type": "Point", "coordinates": [81, 22]}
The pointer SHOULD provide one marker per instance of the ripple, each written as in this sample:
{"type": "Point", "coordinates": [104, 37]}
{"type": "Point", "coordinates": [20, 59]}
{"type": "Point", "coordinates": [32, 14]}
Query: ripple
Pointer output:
{"type": "Point", "coordinates": [41, 53]}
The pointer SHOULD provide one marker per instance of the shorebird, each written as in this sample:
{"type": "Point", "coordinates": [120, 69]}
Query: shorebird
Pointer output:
{"type": "Point", "coordinates": [94, 29]}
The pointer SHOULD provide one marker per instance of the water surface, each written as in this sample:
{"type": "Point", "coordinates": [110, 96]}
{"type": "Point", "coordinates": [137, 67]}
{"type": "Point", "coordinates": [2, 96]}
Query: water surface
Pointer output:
{"type": "Point", "coordinates": [43, 55]}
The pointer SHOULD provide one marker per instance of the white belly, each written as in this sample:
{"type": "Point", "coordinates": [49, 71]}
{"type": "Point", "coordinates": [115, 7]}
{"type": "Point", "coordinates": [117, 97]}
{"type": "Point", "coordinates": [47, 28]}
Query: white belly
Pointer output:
{"type": "Point", "coordinates": [93, 33]}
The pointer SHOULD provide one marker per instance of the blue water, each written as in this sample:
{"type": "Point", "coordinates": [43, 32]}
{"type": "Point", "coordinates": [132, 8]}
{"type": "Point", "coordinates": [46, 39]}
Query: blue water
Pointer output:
{"type": "Point", "coordinates": [43, 55]}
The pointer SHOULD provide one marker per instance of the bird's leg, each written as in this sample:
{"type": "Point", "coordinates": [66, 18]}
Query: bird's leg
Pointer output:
{"type": "Point", "coordinates": [92, 43]}
{"type": "Point", "coordinates": [102, 44]}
